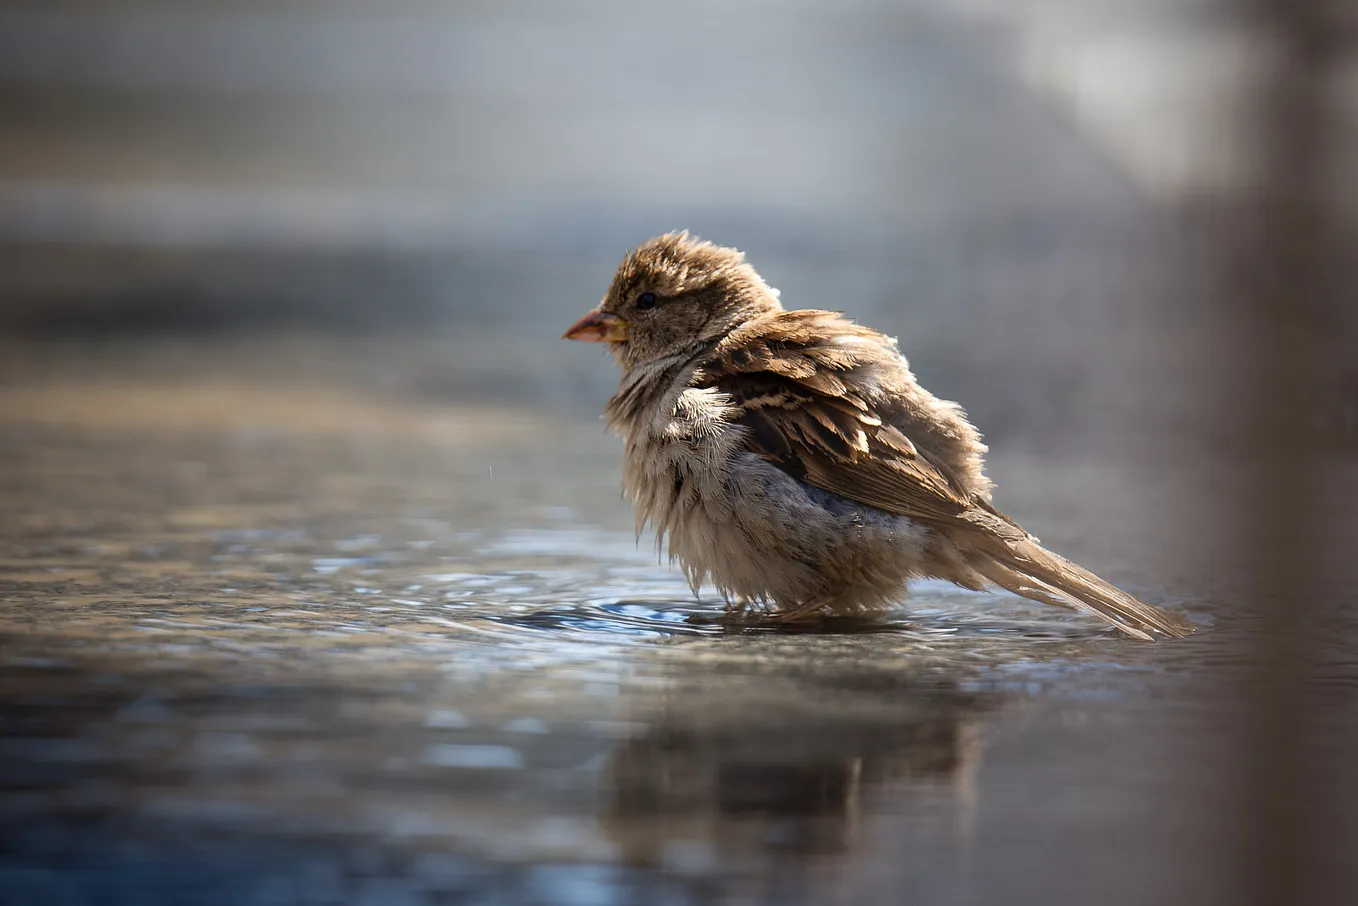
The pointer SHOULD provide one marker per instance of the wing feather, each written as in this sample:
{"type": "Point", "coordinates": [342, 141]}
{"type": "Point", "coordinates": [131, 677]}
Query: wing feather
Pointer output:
{"type": "Point", "coordinates": [802, 384]}
{"type": "Point", "coordinates": [798, 381]}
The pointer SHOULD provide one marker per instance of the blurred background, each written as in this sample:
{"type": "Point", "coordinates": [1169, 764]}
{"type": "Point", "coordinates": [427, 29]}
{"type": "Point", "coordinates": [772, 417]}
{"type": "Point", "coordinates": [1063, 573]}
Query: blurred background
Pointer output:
{"type": "Point", "coordinates": [989, 181]}
{"type": "Point", "coordinates": [315, 585]}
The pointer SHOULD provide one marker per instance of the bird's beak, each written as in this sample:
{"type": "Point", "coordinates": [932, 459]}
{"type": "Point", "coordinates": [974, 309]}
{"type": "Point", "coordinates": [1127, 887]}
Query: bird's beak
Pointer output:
{"type": "Point", "coordinates": [598, 327]}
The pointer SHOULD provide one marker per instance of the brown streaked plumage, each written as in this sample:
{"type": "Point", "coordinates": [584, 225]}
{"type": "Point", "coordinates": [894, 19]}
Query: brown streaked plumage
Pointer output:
{"type": "Point", "coordinates": [791, 458]}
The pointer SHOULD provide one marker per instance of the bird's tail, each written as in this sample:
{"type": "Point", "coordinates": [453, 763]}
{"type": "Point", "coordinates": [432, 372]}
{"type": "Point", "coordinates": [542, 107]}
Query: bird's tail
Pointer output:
{"type": "Point", "coordinates": [1029, 569]}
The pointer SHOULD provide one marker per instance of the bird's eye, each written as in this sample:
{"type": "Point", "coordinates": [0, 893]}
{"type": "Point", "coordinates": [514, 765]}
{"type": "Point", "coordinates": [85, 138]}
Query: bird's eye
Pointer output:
{"type": "Point", "coordinates": [645, 301]}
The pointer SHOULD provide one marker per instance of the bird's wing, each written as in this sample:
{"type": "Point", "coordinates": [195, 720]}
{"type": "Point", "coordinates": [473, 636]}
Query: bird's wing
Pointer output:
{"type": "Point", "coordinates": [798, 383]}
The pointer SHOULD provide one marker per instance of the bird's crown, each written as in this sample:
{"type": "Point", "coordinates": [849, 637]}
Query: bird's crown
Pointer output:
{"type": "Point", "coordinates": [679, 263]}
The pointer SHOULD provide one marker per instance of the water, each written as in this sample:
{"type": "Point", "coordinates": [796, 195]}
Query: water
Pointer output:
{"type": "Point", "coordinates": [273, 640]}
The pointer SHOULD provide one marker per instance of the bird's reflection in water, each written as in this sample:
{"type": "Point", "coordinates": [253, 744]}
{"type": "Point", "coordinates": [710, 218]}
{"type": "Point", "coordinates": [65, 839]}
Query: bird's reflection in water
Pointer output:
{"type": "Point", "coordinates": [771, 776]}
{"type": "Point", "coordinates": [767, 781]}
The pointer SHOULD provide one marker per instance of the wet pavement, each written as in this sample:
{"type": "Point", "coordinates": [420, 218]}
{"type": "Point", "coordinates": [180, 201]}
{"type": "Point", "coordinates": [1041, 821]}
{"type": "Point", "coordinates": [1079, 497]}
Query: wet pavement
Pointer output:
{"type": "Point", "coordinates": [288, 641]}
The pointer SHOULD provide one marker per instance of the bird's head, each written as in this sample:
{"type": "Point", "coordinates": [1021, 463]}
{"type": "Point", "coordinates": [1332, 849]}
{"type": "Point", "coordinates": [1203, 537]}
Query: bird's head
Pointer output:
{"type": "Point", "coordinates": [673, 296]}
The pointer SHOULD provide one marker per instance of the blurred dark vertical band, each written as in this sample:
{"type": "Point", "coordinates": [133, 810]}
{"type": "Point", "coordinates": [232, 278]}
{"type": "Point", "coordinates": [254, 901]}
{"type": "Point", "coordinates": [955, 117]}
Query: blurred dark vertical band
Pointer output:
{"type": "Point", "coordinates": [1277, 254]}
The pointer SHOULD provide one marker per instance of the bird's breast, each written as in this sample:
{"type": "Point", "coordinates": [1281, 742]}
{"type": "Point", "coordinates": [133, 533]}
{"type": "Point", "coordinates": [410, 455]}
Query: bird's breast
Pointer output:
{"type": "Point", "coordinates": [676, 463]}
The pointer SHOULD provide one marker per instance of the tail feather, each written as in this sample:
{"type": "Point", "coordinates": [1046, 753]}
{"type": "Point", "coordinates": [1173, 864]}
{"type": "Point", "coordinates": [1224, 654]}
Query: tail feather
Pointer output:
{"type": "Point", "coordinates": [1028, 569]}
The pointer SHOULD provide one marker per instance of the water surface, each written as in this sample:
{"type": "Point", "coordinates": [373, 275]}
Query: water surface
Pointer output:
{"type": "Point", "coordinates": [290, 641]}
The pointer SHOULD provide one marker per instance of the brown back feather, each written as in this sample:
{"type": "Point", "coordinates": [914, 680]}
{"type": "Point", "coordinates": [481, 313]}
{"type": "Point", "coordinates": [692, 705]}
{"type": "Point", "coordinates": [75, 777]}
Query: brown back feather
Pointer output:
{"type": "Point", "coordinates": [809, 406]}
{"type": "Point", "coordinates": [807, 399]}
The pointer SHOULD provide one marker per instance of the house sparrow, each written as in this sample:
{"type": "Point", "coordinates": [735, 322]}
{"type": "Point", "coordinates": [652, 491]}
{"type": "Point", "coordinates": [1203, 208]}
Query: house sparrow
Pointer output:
{"type": "Point", "coordinates": [791, 458]}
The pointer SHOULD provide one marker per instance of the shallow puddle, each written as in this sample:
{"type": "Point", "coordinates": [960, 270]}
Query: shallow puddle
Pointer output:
{"type": "Point", "coordinates": [331, 648]}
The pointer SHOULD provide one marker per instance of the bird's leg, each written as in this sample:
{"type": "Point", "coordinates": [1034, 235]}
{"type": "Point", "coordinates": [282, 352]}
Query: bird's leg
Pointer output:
{"type": "Point", "coordinates": [807, 611]}
{"type": "Point", "coordinates": [743, 611]}
{"type": "Point", "coordinates": [737, 608]}
{"type": "Point", "coordinates": [740, 611]}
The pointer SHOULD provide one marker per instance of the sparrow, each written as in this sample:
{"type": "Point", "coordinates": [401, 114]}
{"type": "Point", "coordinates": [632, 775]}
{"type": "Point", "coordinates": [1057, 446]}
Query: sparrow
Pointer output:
{"type": "Point", "coordinates": [790, 457]}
